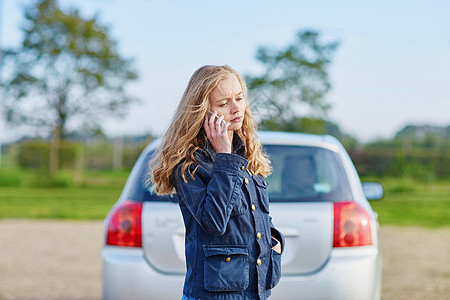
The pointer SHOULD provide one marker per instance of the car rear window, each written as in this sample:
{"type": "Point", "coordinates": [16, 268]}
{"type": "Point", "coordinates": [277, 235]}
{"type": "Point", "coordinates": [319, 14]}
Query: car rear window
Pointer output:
{"type": "Point", "coordinates": [141, 191]}
{"type": "Point", "coordinates": [302, 173]}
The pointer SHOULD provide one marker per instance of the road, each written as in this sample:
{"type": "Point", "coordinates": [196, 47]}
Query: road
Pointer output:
{"type": "Point", "coordinates": [62, 260]}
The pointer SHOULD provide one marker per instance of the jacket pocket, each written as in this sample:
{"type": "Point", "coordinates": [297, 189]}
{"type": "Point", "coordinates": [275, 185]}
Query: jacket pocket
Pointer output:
{"type": "Point", "coordinates": [225, 268]}
{"type": "Point", "coordinates": [261, 186]}
{"type": "Point", "coordinates": [274, 273]}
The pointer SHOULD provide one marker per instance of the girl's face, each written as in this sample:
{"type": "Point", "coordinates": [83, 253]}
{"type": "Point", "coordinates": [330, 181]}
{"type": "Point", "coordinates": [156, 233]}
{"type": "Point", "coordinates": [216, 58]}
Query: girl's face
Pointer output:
{"type": "Point", "coordinates": [227, 98]}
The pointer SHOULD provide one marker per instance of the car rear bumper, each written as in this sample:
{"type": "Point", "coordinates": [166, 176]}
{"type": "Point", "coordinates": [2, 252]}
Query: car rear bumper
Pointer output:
{"type": "Point", "coordinates": [351, 273]}
{"type": "Point", "coordinates": [127, 275]}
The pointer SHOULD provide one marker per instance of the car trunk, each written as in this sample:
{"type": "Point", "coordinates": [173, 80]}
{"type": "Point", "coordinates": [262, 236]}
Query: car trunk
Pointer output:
{"type": "Point", "coordinates": [307, 227]}
{"type": "Point", "coordinates": [163, 236]}
{"type": "Point", "coordinates": [308, 231]}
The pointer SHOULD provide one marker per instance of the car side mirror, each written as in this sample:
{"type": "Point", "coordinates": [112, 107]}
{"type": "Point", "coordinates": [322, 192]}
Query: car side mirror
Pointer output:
{"type": "Point", "coordinates": [373, 190]}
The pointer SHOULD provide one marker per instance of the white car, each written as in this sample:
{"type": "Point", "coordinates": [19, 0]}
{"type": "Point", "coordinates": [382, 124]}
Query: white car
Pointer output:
{"type": "Point", "coordinates": [317, 202]}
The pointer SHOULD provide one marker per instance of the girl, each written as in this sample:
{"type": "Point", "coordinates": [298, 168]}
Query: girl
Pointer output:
{"type": "Point", "coordinates": [212, 158]}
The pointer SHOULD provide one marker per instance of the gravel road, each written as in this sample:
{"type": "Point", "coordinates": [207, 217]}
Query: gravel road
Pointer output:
{"type": "Point", "coordinates": [62, 260]}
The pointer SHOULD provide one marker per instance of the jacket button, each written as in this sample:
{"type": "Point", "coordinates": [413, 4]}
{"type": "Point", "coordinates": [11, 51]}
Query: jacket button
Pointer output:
{"type": "Point", "coordinates": [246, 180]}
{"type": "Point", "coordinates": [249, 172]}
{"type": "Point", "coordinates": [264, 182]}
{"type": "Point", "coordinates": [227, 259]}
{"type": "Point", "coordinates": [243, 168]}
{"type": "Point", "coordinates": [258, 235]}
{"type": "Point", "coordinates": [258, 262]}
{"type": "Point", "coordinates": [253, 207]}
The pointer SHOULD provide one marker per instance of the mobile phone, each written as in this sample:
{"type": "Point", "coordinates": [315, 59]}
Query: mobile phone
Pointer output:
{"type": "Point", "coordinates": [211, 113]}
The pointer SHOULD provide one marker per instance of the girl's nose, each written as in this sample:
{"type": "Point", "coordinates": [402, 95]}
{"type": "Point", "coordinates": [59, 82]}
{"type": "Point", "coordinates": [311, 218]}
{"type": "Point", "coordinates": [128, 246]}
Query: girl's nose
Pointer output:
{"type": "Point", "coordinates": [234, 107]}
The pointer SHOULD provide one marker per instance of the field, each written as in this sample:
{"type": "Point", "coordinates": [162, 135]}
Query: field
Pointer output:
{"type": "Point", "coordinates": [89, 199]}
{"type": "Point", "coordinates": [406, 201]}
{"type": "Point", "coordinates": [411, 202]}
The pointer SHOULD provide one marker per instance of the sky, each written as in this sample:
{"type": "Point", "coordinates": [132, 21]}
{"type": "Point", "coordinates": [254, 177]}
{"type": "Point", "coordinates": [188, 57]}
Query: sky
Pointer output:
{"type": "Point", "coordinates": [392, 67]}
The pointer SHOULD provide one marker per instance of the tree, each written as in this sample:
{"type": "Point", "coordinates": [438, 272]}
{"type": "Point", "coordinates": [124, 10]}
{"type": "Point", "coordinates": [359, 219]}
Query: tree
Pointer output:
{"type": "Point", "coordinates": [295, 80]}
{"type": "Point", "coordinates": [67, 69]}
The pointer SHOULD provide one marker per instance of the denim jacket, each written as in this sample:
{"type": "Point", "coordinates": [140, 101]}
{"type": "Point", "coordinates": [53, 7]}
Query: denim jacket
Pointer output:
{"type": "Point", "coordinates": [228, 228]}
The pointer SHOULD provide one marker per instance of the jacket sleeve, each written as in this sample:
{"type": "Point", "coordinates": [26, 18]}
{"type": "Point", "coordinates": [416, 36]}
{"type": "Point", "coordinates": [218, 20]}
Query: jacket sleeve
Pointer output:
{"type": "Point", "coordinates": [211, 202]}
{"type": "Point", "coordinates": [277, 234]}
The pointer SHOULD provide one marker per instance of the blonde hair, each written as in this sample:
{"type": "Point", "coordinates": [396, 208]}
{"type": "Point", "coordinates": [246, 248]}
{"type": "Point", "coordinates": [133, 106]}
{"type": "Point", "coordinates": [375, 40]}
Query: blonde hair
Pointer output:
{"type": "Point", "coordinates": [185, 134]}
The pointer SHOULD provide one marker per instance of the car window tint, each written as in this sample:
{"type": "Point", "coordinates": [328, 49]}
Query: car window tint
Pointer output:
{"type": "Point", "coordinates": [141, 190]}
{"type": "Point", "coordinates": [303, 173]}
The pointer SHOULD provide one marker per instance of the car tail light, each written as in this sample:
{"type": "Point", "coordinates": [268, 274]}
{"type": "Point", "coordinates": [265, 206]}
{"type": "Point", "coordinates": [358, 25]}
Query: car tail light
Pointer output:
{"type": "Point", "coordinates": [124, 228]}
{"type": "Point", "coordinates": [351, 225]}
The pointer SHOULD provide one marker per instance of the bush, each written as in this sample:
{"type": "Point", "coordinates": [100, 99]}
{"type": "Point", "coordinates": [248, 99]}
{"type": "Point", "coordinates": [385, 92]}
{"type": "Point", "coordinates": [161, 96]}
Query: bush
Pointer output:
{"type": "Point", "coordinates": [98, 155]}
{"type": "Point", "coordinates": [32, 154]}
{"type": "Point", "coordinates": [131, 154]}
{"type": "Point", "coordinates": [411, 168]}
{"type": "Point", "coordinates": [35, 154]}
{"type": "Point", "coordinates": [423, 165]}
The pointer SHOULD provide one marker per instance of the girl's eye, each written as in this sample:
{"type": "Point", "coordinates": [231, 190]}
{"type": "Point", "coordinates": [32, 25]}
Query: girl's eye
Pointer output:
{"type": "Point", "coordinates": [223, 104]}
{"type": "Point", "coordinates": [240, 98]}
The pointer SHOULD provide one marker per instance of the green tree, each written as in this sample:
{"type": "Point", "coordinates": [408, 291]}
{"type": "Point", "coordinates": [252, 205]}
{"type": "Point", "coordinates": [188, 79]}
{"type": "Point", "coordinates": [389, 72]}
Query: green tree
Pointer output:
{"type": "Point", "coordinates": [67, 69]}
{"type": "Point", "coordinates": [294, 82]}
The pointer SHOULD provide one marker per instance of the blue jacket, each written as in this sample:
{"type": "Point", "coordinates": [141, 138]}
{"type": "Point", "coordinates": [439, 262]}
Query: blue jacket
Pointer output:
{"type": "Point", "coordinates": [228, 228]}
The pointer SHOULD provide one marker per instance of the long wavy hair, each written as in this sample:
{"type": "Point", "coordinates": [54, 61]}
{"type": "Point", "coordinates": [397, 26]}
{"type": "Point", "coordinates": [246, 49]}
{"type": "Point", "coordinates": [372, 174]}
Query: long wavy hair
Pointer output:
{"type": "Point", "coordinates": [185, 134]}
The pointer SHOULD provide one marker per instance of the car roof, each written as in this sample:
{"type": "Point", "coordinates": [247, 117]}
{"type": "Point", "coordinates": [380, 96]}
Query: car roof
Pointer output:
{"type": "Point", "coordinates": [299, 139]}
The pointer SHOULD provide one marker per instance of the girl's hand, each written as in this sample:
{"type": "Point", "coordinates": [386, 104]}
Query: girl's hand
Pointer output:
{"type": "Point", "coordinates": [217, 133]}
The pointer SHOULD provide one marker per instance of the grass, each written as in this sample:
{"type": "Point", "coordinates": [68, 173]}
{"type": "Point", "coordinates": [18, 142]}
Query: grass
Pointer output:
{"type": "Point", "coordinates": [25, 194]}
{"type": "Point", "coordinates": [411, 202]}
{"type": "Point", "coordinates": [35, 196]}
